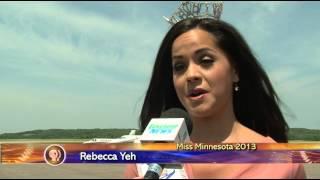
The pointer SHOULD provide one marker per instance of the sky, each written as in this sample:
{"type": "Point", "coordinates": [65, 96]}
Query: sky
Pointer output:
{"type": "Point", "coordinates": [83, 65]}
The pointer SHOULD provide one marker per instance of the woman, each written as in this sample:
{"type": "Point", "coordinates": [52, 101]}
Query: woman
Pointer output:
{"type": "Point", "coordinates": [205, 67]}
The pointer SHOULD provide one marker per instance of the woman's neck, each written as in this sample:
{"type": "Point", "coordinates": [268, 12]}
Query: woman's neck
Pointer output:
{"type": "Point", "coordinates": [215, 129]}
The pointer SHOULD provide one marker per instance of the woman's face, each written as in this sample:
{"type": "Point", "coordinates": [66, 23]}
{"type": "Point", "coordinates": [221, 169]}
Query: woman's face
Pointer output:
{"type": "Point", "coordinates": [202, 75]}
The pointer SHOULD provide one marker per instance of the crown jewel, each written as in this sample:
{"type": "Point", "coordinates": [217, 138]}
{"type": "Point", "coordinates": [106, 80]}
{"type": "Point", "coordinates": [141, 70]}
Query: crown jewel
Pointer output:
{"type": "Point", "coordinates": [190, 9]}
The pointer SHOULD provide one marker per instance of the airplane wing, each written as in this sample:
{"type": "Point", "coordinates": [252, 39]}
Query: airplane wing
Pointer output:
{"type": "Point", "coordinates": [131, 137]}
{"type": "Point", "coordinates": [116, 140]}
{"type": "Point", "coordinates": [120, 140]}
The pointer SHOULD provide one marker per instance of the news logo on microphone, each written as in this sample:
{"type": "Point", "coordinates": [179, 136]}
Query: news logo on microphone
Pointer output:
{"type": "Point", "coordinates": [173, 126]}
{"type": "Point", "coordinates": [165, 130]}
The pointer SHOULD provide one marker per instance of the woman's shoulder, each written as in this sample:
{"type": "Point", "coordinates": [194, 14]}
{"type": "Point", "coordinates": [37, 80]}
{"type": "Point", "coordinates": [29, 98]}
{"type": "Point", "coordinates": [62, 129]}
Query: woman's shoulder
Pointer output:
{"type": "Point", "coordinates": [288, 170]}
{"type": "Point", "coordinates": [249, 135]}
{"type": "Point", "coordinates": [130, 171]}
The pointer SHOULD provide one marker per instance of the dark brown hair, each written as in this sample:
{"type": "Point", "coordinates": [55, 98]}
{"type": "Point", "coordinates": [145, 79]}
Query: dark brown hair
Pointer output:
{"type": "Point", "coordinates": [256, 105]}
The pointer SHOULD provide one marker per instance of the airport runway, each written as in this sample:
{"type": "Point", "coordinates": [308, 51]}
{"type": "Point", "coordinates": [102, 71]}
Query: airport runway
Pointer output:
{"type": "Point", "coordinates": [64, 171]}
{"type": "Point", "coordinates": [87, 171]}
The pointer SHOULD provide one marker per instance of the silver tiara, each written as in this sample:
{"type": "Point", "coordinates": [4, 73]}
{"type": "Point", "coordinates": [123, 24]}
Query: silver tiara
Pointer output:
{"type": "Point", "coordinates": [198, 9]}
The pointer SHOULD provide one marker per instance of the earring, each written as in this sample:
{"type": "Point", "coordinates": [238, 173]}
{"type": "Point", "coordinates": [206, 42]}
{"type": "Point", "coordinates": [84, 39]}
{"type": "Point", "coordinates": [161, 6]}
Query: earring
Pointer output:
{"type": "Point", "coordinates": [236, 87]}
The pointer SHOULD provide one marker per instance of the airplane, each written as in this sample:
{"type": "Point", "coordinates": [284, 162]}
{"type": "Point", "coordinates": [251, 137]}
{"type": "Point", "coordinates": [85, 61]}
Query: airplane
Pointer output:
{"type": "Point", "coordinates": [131, 137]}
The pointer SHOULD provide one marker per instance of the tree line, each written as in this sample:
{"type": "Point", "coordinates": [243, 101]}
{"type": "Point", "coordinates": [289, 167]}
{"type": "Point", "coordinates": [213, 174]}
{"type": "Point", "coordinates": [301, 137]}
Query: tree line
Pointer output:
{"type": "Point", "coordinates": [294, 134]}
{"type": "Point", "coordinates": [66, 134]}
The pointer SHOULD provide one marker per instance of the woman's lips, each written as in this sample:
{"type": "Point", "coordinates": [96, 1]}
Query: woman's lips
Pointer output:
{"type": "Point", "coordinates": [197, 93]}
{"type": "Point", "coordinates": [198, 97]}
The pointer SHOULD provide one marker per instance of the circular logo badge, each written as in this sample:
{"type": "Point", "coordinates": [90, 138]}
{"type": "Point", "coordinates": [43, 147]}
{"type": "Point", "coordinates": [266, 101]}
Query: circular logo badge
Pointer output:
{"type": "Point", "coordinates": [54, 155]}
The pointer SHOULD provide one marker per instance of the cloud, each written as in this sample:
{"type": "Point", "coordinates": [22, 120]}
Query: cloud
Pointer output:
{"type": "Point", "coordinates": [53, 37]}
{"type": "Point", "coordinates": [270, 6]}
{"type": "Point", "coordinates": [68, 66]}
{"type": "Point", "coordinates": [32, 108]}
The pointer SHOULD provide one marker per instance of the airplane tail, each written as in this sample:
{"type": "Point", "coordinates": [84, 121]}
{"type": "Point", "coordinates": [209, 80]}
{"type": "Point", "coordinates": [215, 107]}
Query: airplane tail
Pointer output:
{"type": "Point", "coordinates": [132, 132]}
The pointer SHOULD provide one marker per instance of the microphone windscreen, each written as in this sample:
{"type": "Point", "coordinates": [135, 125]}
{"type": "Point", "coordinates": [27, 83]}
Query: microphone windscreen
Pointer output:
{"type": "Point", "coordinates": [178, 113]}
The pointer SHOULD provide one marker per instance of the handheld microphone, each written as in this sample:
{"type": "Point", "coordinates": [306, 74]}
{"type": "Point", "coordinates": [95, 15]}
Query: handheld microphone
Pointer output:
{"type": "Point", "coordinates": [174, 125]}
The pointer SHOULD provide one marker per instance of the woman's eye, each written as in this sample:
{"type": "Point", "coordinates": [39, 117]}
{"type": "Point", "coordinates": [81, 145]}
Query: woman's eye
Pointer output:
{"type": "Point", "coordinates": [177, 67]}
{"type": "Point", "coordinates": [206, 60]}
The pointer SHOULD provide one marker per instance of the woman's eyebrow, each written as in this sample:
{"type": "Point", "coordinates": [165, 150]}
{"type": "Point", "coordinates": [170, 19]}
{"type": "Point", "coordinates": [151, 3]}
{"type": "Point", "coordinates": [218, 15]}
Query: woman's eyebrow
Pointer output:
{"type": "Point", "coordinates": [202, 50]}
{"type": "Point", "coordinates": [177, 57]}
{"type": "Point", "coordinates": [198, 51]}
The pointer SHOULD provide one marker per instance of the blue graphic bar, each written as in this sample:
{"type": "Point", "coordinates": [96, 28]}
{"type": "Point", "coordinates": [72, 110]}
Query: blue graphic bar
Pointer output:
{"type": "Point", "coordinates": [276, 156]}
